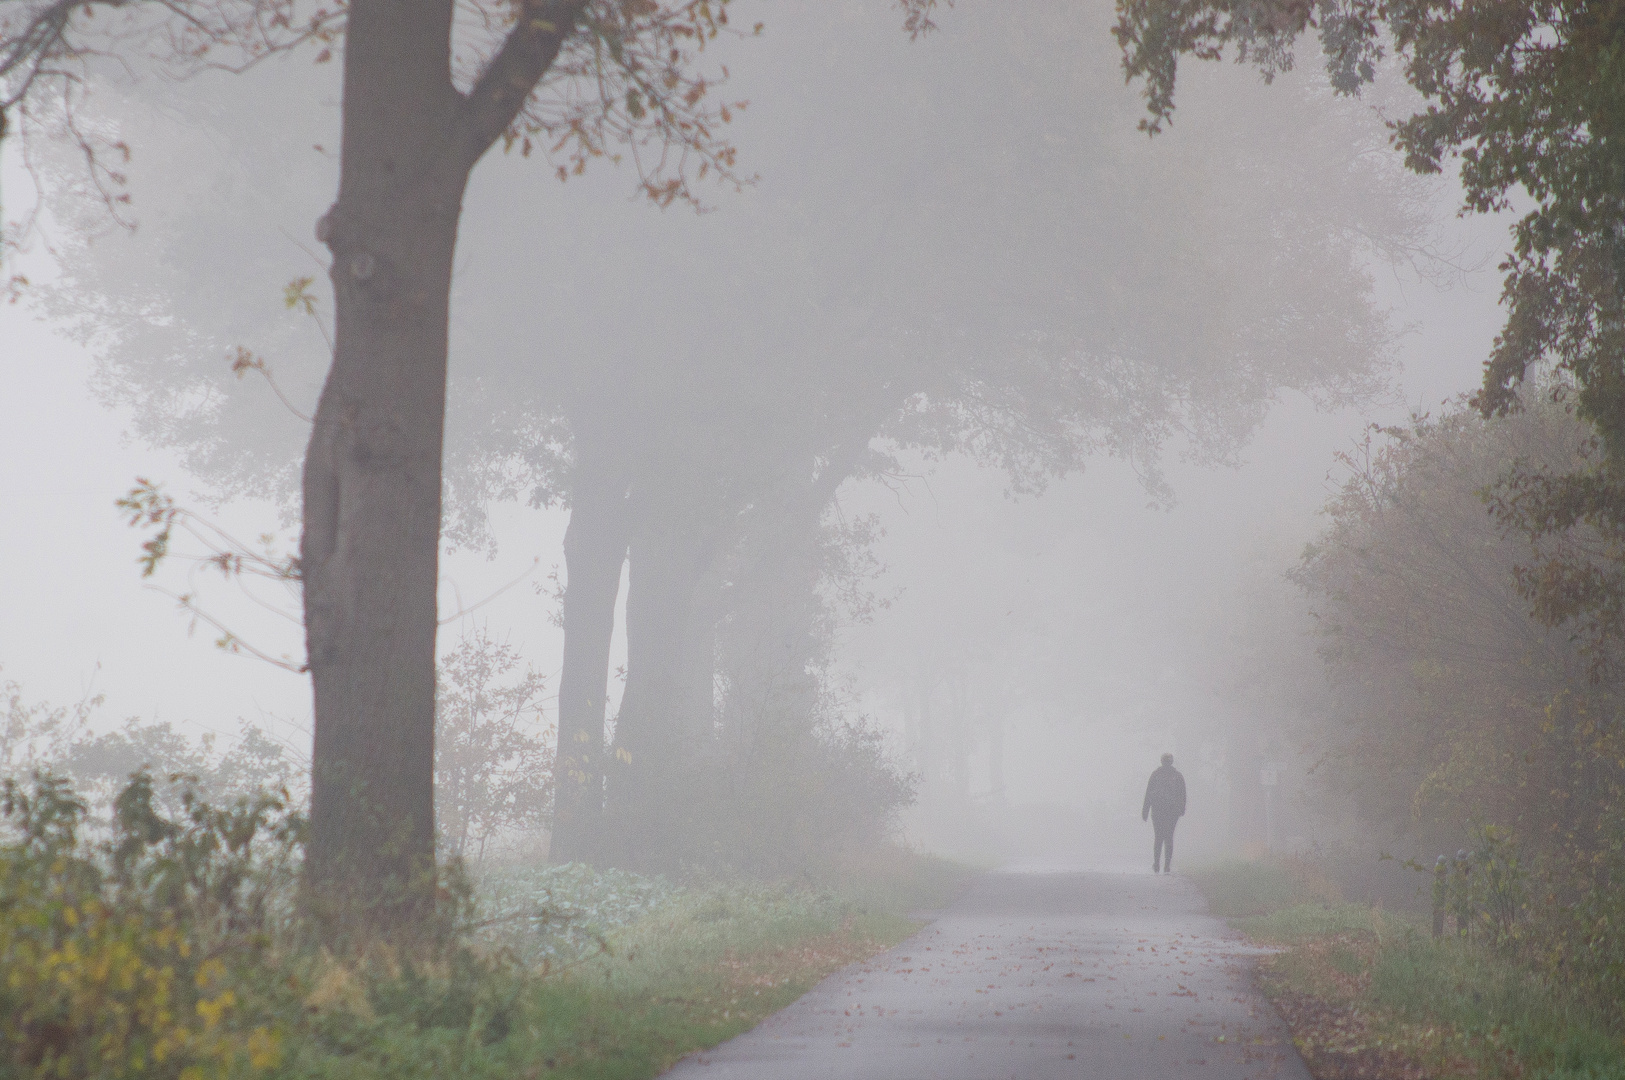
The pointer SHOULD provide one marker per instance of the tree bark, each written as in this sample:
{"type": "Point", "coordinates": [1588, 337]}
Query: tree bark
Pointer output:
{"type": "Point", "coordinates": [594, 552]}
{"type": "Point", "coordinates": [771, 635]}
{"type": "Point", "coordinates": [648, 798]}
{"type": "Point", "coordinates": [772, 643]}
{"type": "Point", "coordinates": [369, 552]}
{"type": "Point", "coordinates": [698, 692]}
{"type": "Point", "coordinates": [684, 514]}
{"type": "Point", "coordinates": [372, 475]}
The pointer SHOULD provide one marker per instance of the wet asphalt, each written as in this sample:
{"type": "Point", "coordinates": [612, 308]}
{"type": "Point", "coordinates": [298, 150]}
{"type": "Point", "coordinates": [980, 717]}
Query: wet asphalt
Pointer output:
{"type": "Point", "coordinates": [1033, 975]}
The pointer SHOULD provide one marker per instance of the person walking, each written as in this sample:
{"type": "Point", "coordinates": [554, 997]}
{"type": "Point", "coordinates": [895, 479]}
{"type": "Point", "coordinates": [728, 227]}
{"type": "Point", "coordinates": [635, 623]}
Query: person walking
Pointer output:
{"type": "Point", "coordinates": [1164, 805]}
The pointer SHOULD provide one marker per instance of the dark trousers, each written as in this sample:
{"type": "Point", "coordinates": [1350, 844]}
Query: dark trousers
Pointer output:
{"type": "Point", "coordinates": [1164, 828]}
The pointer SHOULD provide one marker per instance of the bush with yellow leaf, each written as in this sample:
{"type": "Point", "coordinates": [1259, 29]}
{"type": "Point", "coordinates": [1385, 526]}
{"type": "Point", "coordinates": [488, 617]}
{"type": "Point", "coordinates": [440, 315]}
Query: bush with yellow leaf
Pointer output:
{"type": "Point", "coordinates": [130, 957]}
{"type": "Point", "coordinates": [168, 945]}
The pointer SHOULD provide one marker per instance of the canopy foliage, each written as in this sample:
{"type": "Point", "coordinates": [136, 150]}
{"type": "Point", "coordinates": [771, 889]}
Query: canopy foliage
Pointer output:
{"type": "Point", "coordinates": [1526, 94]}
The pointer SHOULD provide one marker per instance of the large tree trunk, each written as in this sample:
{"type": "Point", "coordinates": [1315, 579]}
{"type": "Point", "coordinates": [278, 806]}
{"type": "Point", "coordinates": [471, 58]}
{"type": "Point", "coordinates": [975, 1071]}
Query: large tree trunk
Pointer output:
{"type": "Point", "coordinates": [594, 552]}
{"type": "Point", "coordinates": [667, 719]}
{"type": "Point", "coordinates": [771, 634]}
{"type": "Point", "coordinates": [698, 690]}
{"type": "Point", "coordinates": [372, 474]}
{"type": "Point", "coordinates": [649, 796]}
{"type": "Point", "coordinates": [774, 641]}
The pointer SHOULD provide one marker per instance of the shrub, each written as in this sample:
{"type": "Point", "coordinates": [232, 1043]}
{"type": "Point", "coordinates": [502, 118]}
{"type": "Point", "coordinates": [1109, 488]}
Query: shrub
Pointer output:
{"type": "Point", "coordinates": [172, 949]}
{"type": "Point", "coordinates": [132, 958]}
{"type": "Point", "coordinates": [493, 758]}
{"type": "Point", "coordinates": [1578, 925]}
{"type": "Point", "coordinates": [791, 797]}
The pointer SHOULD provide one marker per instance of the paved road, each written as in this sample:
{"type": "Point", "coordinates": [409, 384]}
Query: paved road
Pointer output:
{"type": "Point", "coordinates": [1106, 976]}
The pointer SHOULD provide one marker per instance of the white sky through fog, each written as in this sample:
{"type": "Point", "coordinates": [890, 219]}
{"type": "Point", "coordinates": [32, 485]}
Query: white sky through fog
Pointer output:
{"type": "Point", "coordinates": [79, 619]}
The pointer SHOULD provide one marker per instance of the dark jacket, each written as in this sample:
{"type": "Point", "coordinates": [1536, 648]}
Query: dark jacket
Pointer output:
{"type": "Point", "coordinates": [1165, 793]}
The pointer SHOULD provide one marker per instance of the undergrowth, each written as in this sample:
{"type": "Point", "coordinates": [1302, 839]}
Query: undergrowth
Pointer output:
{"type": "Point", "coordinates": [1371, 993]}
{"type": "Point", "coordinates": [169, 946]}
{"type": "Point", "coordinates": [1509, 1014]}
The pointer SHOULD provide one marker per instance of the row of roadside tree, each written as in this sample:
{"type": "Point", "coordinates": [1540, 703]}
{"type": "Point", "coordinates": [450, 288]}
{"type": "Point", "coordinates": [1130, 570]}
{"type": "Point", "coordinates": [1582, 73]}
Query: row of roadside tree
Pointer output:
{"type": "Point", "coordinates": [1469, 706]}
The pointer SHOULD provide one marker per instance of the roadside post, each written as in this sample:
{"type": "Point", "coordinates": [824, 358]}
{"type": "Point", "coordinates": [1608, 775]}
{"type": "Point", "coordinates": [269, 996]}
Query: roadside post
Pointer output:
{"type": "Point", "coordinates": [1441, 867]}
{"type": "Point", "coordinates": [1270, 777]}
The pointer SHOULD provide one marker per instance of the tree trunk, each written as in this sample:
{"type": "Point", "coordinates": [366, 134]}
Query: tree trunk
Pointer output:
{"type": "Point", "coordinates": [594, 552]}
{"type": "Point", "coordinates": [372, 474]}
{"type": "Point", "coordinates": [648, 796]}
{"type": "Point", "coordinates": [995, 759]}
{"type": "Point", "coordinates": [369, 553]}
{"type": "Point", "coordinates": [772, 639]}
{"type": "Point", "coordinates": [698, 691]}
{"type": "Point", "coordinates": [667, 717]}
{"type": "Point", "coordinates": [773, 642]}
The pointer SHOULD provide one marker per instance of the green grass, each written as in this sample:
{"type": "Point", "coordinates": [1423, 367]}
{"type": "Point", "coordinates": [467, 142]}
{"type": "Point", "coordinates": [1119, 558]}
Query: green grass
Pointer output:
{"type": "Point", "coordinates": [1303, 922]}
{"type": "Point", "coordinates": [1502, 1007]}
{"type": "Point", "coordinates": [1237, 888]}
{"type": "Point", "coordinates": [702, 964]}
{"type": "Point", "coordinates": [722, 959]}
{"type": "Point", "coordinates": [1461, 1008]}
{"type": "Point", "coordinates": [690, 977]}
{"type": "Point", "coordinates": [1286, 901]}
{"type": "Point", "coordinates": [894, 880]}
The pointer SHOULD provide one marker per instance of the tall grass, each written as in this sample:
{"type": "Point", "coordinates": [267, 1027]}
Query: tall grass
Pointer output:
{"type": "Point", "coordinates": [1507, 1016]}
{"type": "Point", "coordinates": [1503, 1006]}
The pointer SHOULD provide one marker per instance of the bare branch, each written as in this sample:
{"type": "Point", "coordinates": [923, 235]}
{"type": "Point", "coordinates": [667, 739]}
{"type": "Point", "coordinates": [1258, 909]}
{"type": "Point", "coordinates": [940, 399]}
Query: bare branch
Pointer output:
{"type": "Point", "coordinates": [471, 608]}
{"type": "Point", "coordinates": [228, 640]}
{"type": "Point", "coordinates": [630, 79]}
{"type": "Point", "coordinates": [917, 16]}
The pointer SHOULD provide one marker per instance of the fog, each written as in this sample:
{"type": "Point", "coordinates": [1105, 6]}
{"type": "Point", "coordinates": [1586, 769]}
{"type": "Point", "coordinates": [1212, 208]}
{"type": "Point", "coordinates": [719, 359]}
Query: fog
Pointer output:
{"type": "Point", "coordinates": [1071, 574]}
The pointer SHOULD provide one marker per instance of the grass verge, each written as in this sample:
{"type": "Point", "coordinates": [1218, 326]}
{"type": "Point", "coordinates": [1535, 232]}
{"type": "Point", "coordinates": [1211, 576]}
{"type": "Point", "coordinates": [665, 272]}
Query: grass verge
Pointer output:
{"type": "Point", "coordinates": [1368, 993]}
{"type": "Point", "coordinates": [717, 960]}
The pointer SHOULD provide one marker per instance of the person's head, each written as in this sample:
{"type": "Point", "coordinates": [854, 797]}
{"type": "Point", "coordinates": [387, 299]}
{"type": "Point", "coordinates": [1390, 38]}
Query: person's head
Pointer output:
{"type": "Point", "coordinates": [1167, 759]}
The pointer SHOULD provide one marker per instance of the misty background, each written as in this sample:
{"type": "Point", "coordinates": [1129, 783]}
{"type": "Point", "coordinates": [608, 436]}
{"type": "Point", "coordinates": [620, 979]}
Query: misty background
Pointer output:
{"type": "Point", "coordinates": [1030, 652]}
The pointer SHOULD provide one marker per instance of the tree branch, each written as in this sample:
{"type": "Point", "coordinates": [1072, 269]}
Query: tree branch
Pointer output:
{"type": "Point", "coordinates": [497, 96]}
{"type": "Point", "coordinates": [36, 43]}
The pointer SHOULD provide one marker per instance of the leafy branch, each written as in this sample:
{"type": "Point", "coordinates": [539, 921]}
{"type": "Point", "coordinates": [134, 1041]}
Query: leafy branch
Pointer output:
{"type": "Point", "coordinates": [630, 76]}
{"type": "Point", "coordinates": [148, 506]}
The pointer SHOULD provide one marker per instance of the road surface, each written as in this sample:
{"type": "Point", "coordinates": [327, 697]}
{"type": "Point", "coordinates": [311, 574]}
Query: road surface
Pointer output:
{"type": "Point", "coordinates": [1033, 975]}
